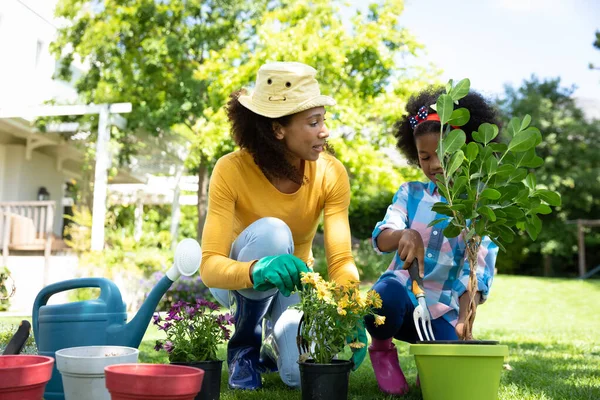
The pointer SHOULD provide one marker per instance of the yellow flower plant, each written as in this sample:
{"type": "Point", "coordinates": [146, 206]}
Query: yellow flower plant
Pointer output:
{"type": "Point", "coordinates": [332, 314]}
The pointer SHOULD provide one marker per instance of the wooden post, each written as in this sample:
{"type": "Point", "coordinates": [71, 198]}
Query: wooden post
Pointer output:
{"type": "Point", "coordinates": [48, 244]}
{"type": "Point", "coordinates": [581, 245]}
{"type": "Point", "coordinates": [6, 235]}
{"type": "Point", "coordinates": [100, 180]}
{"type": "Point", "coordinates": [175, 208]}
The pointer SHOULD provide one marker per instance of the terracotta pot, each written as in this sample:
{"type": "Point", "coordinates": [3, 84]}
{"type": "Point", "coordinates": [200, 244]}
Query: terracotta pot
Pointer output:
{"type": "Point", "coordinates": [24, 377]}
{"type": "Point", "coordinates": [153, 381]}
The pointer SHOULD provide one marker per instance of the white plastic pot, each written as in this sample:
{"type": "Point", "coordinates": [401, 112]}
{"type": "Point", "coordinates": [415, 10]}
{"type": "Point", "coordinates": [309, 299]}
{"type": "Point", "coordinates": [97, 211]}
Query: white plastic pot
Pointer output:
{"type": "Point", "coordinates": [82, 369]}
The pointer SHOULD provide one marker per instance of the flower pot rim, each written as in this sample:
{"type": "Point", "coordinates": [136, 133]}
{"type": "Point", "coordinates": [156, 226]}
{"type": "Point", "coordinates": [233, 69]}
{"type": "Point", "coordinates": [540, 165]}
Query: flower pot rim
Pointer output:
{"type": "Point", "coordinates": [130, 369]}
{"type": "Point", "coordinates": [36, 361]}
{"type": "Point", "coordinates": [335, 362]}
{"type": "Point", "coordinates": [64, 353]}
{"type": "Point", "coordinates": [194, 362]}
{"type": "Point", "coordinates": [459, 350]}
{"type": "Point", "coordinates": [461, 342]}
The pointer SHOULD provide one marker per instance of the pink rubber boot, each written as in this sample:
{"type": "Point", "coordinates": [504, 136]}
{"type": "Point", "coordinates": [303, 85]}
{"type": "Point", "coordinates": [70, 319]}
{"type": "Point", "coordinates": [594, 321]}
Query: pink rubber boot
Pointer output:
{"type": "Point", "coordinates": [384, 358]}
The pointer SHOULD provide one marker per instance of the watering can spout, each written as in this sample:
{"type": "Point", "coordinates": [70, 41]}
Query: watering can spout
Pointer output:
{"type": "Point", "coordinates": [186, 262]}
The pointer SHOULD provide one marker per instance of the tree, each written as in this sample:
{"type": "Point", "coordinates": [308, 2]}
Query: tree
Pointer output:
{"type": "Point", "coordinates": [178, 61]}
{"type": "Point", "coordinates": [146, 52]}
{"type": "Point", "coordinates": [491, 188]}
{"type": "Point", "coordinates": [570, 149]}
{"type": "Point", "coordinates": [360, 65]}
{"type": "Point", "coordinates": [596, 45]}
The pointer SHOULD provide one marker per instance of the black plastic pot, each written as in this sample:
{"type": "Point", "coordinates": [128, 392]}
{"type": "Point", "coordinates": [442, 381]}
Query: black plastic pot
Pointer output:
{"type": "Point", "coordinates": [325, 381]}
{"type": "Point", "coordinates": [211, 383]}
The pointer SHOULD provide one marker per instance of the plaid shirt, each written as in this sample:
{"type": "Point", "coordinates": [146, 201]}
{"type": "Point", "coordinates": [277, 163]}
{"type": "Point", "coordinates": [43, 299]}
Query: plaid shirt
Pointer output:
{"type": "Point", "coordinates": [446, 265]}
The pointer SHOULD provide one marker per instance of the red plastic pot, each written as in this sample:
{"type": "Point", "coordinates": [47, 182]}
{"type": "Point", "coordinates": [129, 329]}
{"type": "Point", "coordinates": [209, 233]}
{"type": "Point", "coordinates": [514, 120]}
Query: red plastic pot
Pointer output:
{"type": "Point", "coordinates": [153, 381]}
{"type": "Point", "coordinates": [24, 377]}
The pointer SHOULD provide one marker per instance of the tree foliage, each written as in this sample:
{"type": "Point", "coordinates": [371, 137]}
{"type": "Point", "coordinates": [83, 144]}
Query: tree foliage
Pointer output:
{"type": "Point", "coordinates": [490, 188]}
{"type": "Point", "coordinates": [178, 61]}
{"type": "Point", "coordinates": [571, 167]}
{"type": "Point", "coordinates": [359, 65]}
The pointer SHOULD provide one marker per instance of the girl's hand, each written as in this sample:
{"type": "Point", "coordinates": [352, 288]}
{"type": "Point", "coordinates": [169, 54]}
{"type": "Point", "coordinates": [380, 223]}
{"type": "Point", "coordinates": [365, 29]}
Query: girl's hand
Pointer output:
{"type": "Point", "coordinates": [410, 246]}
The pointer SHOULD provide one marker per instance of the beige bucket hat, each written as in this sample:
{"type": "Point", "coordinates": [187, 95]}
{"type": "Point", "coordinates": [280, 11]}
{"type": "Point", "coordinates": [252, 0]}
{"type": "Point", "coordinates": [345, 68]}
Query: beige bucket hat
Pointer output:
{"type": "Point", "coordinates": [285, 88]}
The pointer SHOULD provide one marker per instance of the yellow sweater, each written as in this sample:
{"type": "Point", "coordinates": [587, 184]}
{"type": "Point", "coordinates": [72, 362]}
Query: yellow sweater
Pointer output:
{"type": "Point", "coordinates": [240, 194]}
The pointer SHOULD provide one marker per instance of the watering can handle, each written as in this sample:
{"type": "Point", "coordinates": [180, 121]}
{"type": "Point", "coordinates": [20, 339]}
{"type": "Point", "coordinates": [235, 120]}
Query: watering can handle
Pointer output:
{"type": "Point", "coordinates": [109, 292]}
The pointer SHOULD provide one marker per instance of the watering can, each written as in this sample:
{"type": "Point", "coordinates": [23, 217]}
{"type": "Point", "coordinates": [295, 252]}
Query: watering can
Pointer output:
{"type": "Point", "coordinates": [101, 321]}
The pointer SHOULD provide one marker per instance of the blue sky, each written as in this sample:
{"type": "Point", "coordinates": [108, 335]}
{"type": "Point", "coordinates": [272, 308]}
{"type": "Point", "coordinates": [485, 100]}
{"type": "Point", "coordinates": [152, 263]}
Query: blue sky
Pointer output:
{"type": "Point", "coordinates": [493, 42]}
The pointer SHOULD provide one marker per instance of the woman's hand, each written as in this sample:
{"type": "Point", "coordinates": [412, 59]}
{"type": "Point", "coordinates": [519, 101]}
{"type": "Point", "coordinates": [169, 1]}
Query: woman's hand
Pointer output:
{"type": "Point", "coordinates": [410, 246]}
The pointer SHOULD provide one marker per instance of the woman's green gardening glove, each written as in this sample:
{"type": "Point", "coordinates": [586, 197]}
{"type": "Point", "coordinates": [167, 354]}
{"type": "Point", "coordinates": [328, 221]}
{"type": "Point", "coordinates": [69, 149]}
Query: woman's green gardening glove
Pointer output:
{"type": "Point", "coordinates": [281, 272]}
{"type": "Point", "coordinates": [359, 354]}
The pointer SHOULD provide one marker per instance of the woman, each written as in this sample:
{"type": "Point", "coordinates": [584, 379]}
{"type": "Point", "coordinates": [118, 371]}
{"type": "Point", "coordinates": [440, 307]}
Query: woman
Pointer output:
{"type": "Point", "coordinates": [265, 201]}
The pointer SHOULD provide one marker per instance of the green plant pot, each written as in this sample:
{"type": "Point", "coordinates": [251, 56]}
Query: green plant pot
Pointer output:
{"type": "Point", "coordinates": [444, 369]}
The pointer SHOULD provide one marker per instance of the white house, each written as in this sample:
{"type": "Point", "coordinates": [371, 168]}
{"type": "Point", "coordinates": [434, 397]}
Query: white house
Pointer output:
{"type": "Point", "coordinates": [34, 165]}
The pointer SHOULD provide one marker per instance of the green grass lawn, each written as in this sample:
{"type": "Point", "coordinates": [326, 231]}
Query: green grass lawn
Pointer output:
{"type": "Point", "coordinates": [552, 328]}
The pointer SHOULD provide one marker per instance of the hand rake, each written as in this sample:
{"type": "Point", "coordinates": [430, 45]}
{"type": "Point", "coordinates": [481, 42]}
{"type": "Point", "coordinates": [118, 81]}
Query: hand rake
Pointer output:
{"type": "Point", "coordinates": [421, 314]}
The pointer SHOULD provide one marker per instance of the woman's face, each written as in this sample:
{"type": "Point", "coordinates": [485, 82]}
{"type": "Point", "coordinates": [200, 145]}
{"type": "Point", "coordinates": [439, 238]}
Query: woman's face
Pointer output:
{"type": "Point", "coordinates": [305, 135]}
{"type": "Point", "coordinates": [428, 159]}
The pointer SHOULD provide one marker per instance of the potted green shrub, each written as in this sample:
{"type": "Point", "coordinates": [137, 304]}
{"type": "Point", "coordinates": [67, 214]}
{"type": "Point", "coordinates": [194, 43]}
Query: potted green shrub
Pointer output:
{"type": "Point", "coordinates": [331, 314]}
{"type": "Point", "coordinates": [194, 331]}
{"type": "Point", "coordinates": [490, 190]}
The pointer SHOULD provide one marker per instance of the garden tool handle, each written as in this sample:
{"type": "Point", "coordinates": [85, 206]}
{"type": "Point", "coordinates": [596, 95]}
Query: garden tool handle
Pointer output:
{"type": "Point", "coordinates": [18, 340]}
{"type": "Point", "coordinates": [109, 293]}
{"type": "Point", "coordinates": [417, 281]}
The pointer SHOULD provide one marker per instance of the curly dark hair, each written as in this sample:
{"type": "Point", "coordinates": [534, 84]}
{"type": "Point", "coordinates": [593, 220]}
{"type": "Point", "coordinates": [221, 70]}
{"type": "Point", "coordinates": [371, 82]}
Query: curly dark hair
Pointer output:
{"type": "Point", "coordinates": [254, 133]}
{"type": "Point", "coordinates": [480, 109]}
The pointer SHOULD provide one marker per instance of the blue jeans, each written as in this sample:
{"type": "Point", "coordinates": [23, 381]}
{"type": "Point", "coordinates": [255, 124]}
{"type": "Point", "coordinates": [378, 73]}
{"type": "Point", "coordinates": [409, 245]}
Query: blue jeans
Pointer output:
{"type": "Point", "coordinates": [398, 310]}
{"type": "Point", "coordinates": [270, 237]}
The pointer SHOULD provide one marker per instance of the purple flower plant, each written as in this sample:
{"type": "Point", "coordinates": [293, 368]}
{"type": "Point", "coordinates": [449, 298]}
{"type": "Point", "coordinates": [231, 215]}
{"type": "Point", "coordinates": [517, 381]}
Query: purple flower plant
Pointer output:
{"type": "Point", "coordinates": [193, 331]}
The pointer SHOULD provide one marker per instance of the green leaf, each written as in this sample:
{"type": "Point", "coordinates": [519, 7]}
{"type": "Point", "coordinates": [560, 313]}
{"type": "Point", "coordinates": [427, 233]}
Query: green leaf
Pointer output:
{"type": "Point", "coordinates": [548, 196]}
{"type": "Point", "coordinates": [491, 165]}
{"type": "Point", "coordinates": [505, 170]}
{"type": "Point", "coordinates": [460, 90]}
{"type": "Point", "coordinates": [534, 163]}
{"type": "Point", "coordinates": [451, 231]}
{"type": "Point", "coordinates": [514, 126]}
{"type": "Point", "coordinates": [486, 211]}
{"type": "Point", "coordinates": [455, 162]}
{"type": "Point", "coordinates": [458, 184]}
{"type": "Point", "coordinates": [442, 208]}
{"type": "Point", "coordinates": [518, 175]}
{"type": "Point", "coordinates": [514, 212]}
{"type": "Point", "coordinates": [458, 207]}
{"type": "Point", "coordinates": [449, 86]}
{"type": "Point", "coordinates": [524, 157]}
{"type": "Point", "coordinates": [533, 226]}
{"type": "Point", "coordinates": [526, 121]}
{"type": "Point", "coordinates": [459, 117]}
{"type": "Point", "coordinates": [454, 141]}
{"type": "Point", "coordinates": [498, 147]}
{"type": "Point", "coordinates": [476, 175]}
{"type": "Point", "coordinates": [444, 107]}
{"type": "Point", "coordinates": [480, 227]}
{"type": "Point", "coordinates": [530, 181]}
{"type": "Point", "coordinates": [542, 209]}
{"type": "Point", "coordinates": [472, 151]}
{"type": "Point", "coordinates": [497, 243]}
{"type": "Point", "coordinates": [436, 221]}
{"type": "Point", "coordinates": [488, 132]}
{"type": "Point", "coordinates": [489, 193]}
{"type": "Point", "coordinates": [522, 141]}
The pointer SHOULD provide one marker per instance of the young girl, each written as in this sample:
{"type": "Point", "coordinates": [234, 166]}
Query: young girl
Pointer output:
{"type": "Point", "coordinates": [442, 261]}
{"type": "Point", "coordinates": [265, 201]}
